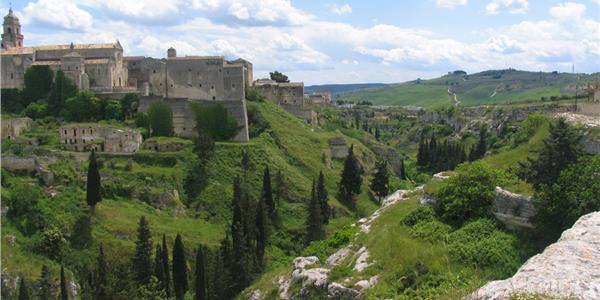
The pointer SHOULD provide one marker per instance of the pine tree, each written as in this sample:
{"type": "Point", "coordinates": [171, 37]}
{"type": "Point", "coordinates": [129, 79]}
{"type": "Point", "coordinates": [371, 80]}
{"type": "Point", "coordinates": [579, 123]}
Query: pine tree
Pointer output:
{"type": "Point", "coordinates": [562, 148]}
{"type": "Point", "coordinates": [351, 179]}
{"type": "Point", "coordinates": [142, 260]}
{"type": "Point", "coordinates": [46, 284]}
{"type": "Point", "coordinates": [180, 284]}
{"type": "Point", "coordinates": [23, 290]}
{"type": "Point", "coordinates": [101, 284]}
{"type": "Point", "coordinates": [261, 233]}
{"type": "Point", "coordinates": [482, 144]}
{"type": "Point", "coordinates": [314, 224]}
{"type": "Point", "coordinates": [166, 280]}
{"type": "Point", "coordinates": [377, 134]}
{"type": "Point", "coordinates": [93, 194]}
{"type": "Point", "coordinates": [322, 196]}
{"type": "Point", "coordinates": [267, 194]}
{"type": "Point", "coordinates": [200, 276]}
{"type": "Point", "coordinates": [381, 178]}
{"type": "Point", "coordinates": [63, 285]}
{"type": "Point", "coordinates": [222, 286]}
{"type": "Point", "coordinates": [432, 154]}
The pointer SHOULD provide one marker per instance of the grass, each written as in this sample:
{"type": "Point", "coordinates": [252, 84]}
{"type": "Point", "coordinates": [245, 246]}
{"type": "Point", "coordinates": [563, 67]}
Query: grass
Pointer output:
{"type": "Point", "coordinates": [424, 95]}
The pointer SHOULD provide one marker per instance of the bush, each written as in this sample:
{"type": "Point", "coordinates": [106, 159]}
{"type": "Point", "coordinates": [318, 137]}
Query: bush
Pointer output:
{"type": "Point", "coordinates": [82, 232]}
{"type": "Point", "coordinates": [481, 244]}
{"type": "Point", "coordinates": [113, 111]}
{"type": "Point", "coordinates": [160, 118]}
{"type": "Point", "coordinates": [214, 119]}
{"type": "Point", "coordinates": [84, 106]}
{"type": "Point", "coordinates": [51, 243]}
{"type": "Point", "coordinates": [422, 213]}
{"type": "Point", "coordinates": [430, 231]}
{"type": "Point", "coordinates": [469, 194]}
{"type": "Point", "coordinates": [36, 110]}
{"type": "Point", "coordinates": [323, 248]}
{"type": "Point", "coordinates": [254, 95]}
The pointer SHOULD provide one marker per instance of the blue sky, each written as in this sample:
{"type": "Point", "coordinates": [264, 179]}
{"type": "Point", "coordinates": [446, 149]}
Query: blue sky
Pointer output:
{"type": "Point", "coordinates": [335, 41]}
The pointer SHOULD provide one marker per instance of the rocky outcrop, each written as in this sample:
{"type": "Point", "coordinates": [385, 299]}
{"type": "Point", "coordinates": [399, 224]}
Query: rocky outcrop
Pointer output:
{"type": "Point", "coordinates": [570, 267]}
{"type": "Point", "coordinates": [30, 165]}
{"type": "Point", "coordinates": [513, 210]}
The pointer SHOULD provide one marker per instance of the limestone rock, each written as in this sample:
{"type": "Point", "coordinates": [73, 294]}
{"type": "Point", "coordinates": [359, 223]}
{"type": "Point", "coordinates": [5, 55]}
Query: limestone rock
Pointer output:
{"type": "Point", "coordinates": [339, 255]}
{"type": "Point", "coordinates": [366, 284]}
{"type": "Point", "coordinates": [337, 291]}
{"type": "Point", "coordinates": [361, 261]}
{"type": "Point", "coordinates": [316, 277]}
{"type": "Point", "coordinates": [301, 262]}
{"type": "Point", "coordinates": [284, 286]}
{"type": "Point", "coordinates": [256, 295]}
{"type": "Point", "coordinates": [569, 267]}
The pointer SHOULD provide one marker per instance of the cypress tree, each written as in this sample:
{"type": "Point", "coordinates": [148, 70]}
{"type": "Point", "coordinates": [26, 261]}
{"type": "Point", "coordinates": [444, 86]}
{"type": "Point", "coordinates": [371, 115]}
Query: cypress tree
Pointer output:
{"type": "Point", "coordinates": [82, 232]}
{"type": "Point", "coordinates": [101, 284]}
{"type": "Point", "coordinates": [200, 276]}
{"type": "Point", "coordinates": [246, 163]}
{"type": "Point", "coordinates": [159, 271]}
{"type": "Point", "coordinates": [402, 170]}
{"type": "Point", "coordinates": [261, 233]}
{"type": "Point", "coordinates": [421, 153]}
{"type": "Point", "coordinates": [63, 285]}
{"type": "Point", "coordinates": [377, 135]}
{"type": "Point", "coordinates": [46, 284]}
{"type": "Point", "coordinates": [93, 195]}
{"type": "Point", "coordinates": [314, 224]}
{"type": "Point", "coordinates": [381, 178]}
{"type": "Point", "coordinates": [142, 260]}
{"type": "Point", "coordinates": [281, 188]}
{"type": "Point", "coordinates": [482, 144]}
{"type": "Point", "coordinates": [23, 290]}
{"type": "Point", "coordinates": [351, 179]}
{"type": "Point", "coordinates": [432, 153]}
{"type": "Point", "coordinates": [222, 286]}
{"type": "Point", "coordinates": [166, 280]}
{"type": "Point", "coordinates": [180, 284]}
{"type": "Point", "coordinates": [267, 194]}
{"type": "Point", "coordinates": [322, 196]}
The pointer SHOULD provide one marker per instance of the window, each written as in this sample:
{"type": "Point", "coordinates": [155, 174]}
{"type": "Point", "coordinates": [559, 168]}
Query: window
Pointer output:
{"type": "Point", "coordinates": [154, 71]}
{"type": "Point", "coordinates": [9, 30]}
{"type": "Point", "coordinates": [233, 85]}
{"type": "Point", "coordinates": [212, 87]}
{"type": "Point", "coordinates": [11, 75]}
{"type": "Point", "coordinates": [133, 63]}
{"type": "Point", "coordinates": [214, 98]}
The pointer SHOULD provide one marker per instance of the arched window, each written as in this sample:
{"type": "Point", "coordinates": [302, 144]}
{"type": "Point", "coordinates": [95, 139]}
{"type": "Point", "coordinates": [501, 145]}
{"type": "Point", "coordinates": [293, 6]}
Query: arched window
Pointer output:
{"type": "Point", "coordinates": [9, 30]}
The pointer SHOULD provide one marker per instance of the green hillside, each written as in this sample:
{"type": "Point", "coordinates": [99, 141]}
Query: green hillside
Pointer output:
{"type": "Point", "coordinates": [484, 88]}
{"type": "Point", "coordinates": [132, 183]}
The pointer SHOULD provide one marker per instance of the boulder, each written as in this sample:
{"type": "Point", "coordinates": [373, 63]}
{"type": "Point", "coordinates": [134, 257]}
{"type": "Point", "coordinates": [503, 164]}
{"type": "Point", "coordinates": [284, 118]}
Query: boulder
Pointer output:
{"type": "Point", "coordinates": [337, 291]}
{"type": "Point", "coordinates": [366, 284]}
{"type": "Point", "coordinates": [361, 261]}
{"type": "Point", "coordinates": [316, 277]}
{"type": "Point", "coordinates": [301, 262]}
{"type": "Point", "coordinates": [339, 255]}
{"type": "Point", "coordinates": [568, 268]}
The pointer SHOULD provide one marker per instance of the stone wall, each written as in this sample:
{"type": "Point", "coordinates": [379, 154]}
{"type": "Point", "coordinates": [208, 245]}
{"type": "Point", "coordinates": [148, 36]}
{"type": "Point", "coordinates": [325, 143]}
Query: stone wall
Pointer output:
{"type": "Point", "coordinates": [591, 144]}
{"type": "Point", "coordinates": [307, 115]}
{"type": "Point", "coordinates": [101, 138]}
{"type": "Point", "coordinates": [281, 93]}
{"type": "Point", "coordinates": [13, 128]}
{"type": "Point", "coordinates": [29, 165]}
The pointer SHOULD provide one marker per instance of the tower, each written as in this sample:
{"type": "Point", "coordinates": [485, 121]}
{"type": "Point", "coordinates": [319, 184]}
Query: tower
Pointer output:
{"type": "Point", "coordinates": [11, 36]}
{"type": "Point", "coordinates": [171, 52]}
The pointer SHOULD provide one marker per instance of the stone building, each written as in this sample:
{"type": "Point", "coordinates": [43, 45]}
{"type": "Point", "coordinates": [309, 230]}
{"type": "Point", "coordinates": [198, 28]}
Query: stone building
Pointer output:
{"type": "Point", "coordinates": [101, 138]}
{"type": "Point", "coordinates": [12, 128]}
{"type": "Point", "coordinates": [319, 99]}
{"type": "Point", "coordinates": [288, 95]}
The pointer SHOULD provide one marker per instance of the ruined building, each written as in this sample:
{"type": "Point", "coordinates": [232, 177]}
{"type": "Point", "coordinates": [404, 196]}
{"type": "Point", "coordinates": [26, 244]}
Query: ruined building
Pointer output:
{"type": "Point", "coordinates": [101, 138]}
{"type": "Point", "coordinates": [288, 95]}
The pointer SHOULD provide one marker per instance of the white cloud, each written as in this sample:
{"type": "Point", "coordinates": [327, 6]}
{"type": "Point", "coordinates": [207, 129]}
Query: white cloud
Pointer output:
{"type": "Point", "coordinates": [147, 9]}
{"type": "Point", "coordinates": [450, 3]}
{"type": "Point", "coordinates": [253, 11]}
{"type": "Point", "coordinates": [568, 10]}
{"type": "Point", "coordinates": [343, 9]}
{"type": "Point", "coordinates": [513, 6]}
{"type": "Point", "coordinates": [63, 14]}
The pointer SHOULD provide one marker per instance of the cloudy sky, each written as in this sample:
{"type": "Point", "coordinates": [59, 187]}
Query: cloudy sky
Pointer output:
{"type": "Point", "coordinates": [335, 41]}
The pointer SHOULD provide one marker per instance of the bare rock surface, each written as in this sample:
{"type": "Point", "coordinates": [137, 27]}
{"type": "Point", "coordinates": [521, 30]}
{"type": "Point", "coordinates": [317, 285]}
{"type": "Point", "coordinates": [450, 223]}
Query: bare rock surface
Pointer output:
{"type": "Point", "coordinates": [570, 267]}
{"type": "Point", "coordinates": [337, 291]}
{"type": "Point", "coordinates": [339, 255]}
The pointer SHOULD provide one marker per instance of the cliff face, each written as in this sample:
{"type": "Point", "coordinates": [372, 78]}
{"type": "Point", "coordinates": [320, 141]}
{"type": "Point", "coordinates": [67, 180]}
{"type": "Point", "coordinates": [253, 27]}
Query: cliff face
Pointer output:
{"type": "Point", "coordinates": [570, 267]}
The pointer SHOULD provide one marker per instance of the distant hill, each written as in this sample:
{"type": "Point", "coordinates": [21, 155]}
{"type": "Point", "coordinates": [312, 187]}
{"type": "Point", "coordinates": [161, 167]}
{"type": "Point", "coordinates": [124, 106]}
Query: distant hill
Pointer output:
{"type": "Point", "coordinates": [488, 87]}
{"type": "Point", "coordinates": [341, 88]}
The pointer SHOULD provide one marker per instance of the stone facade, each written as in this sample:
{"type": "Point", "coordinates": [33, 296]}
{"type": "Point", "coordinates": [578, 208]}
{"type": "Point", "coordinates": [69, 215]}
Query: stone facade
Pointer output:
{"type": "Point", "coordinates": [12, 128]}
{"type": "Point", "coordinates": [321, 99]}
{"type": "Point", "coordinates": [281, 93]}
{"type": "Point", "coordinates": [184, 120]}
{"type": "Point", "coordinates": [101, 138]}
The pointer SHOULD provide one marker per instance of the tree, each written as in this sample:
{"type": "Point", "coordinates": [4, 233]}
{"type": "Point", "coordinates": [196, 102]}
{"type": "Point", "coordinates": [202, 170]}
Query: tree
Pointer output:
{"type": "Point", "coordinates": [267, 194]}
{"type": "Point", "coordinates": [322, 197]}
{"type": "Point", "coordinates": [62, 89]}
{"type": "Point", "coordinates": [204, 145]}
{"type": "Point", "coordinates": [113, 110]}
{"type": "Point", "coordinates": [165, 260]}
{"type": "Point", "coordinates": [213, 118]}
{"type": "Point", "coordinates": [46, 284]}
{"type": "Point", "coordinates": [129, 104]}
{"type": "Point", "coordinates": [314, 223]}
{"type": "Point", "coordinates": [160, 116]}
{"type": "Point", "coordinates": [93, 187]}
{"type": "Point", "coordinates": [281, 187]}
{"type": "Point", "coordinates": [351, 178]}
{"type": "Point", "coordinates": [381, 179]}
{"type": "Point", "coordinates": [101, 282]}
{"type": "Point", "coordinates": [84, 106]}
{"type": "Point", "coordinates": [82, 232]}
{"type": "Point", "coordinates": [377, 134]}
{"type": "Point", "coordinates": [11, 101]}
{"type": "Point", "coordinates": [196, 179]}
{"type": "Point", "coordinates": [180, 284]}
{"type": "Point", "coordinates": [479, 150]}
{"type": "Point", "coordinates": [63, 285]}
{"type": "Point", "coordinates": [142, 259]}
{"type": "Point", "coordinates": [278, 77]}
{"type": "Point", "coordinates": [562, 148]}
{"type": "Point", "coordinates": [37, 84]}
{"type": "Point", "coordinates": [200, 276]}
{"type": "Point", "coordinates": [159, 271]}
{"type": "Point", "coordinates": [403, 170]}
{"type": "Point", "coordinates": [574, 194]}
{"type": "Point", "coordinates": [246, 161]}
{"type": "Point", "coordinates": [261, 232]}
{"type": "Point", "coordinates": [23, 290]}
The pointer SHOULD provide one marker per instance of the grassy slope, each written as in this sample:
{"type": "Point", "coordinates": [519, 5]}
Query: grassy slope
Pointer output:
{"type": "Point", "coordinates": [476, 89]}
{"type": "Point", "coordinates": [289, 145]}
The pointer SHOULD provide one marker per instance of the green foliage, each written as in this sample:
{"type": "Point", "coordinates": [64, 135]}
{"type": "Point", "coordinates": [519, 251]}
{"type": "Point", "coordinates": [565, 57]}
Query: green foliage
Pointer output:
{"type": "Point", "coordinates": [322, 197]}
{"type": "Point", "coordinates": [214, 119]}
{"type": "Point", "coordinates": [351, 178]}
{"type": "Point", "coordinates": [142, 120]}
{"type": "Point", "coordinates": [562, 148]}
{"type": "Point", "coordinates": [64, 295]}
{"type": "Point", "coordinates": [256, 122]}
{"type": "Point", "coordinates": [151, 291]}
{"type": "Point", "coordinates": [323, 248]}
{"type": "Point", "coordinates": [430, 231]}
{"type": "Point", "coordinates": [481, 244]}
{"type": "Point", "coordinates": [129, 104]}
{"type": "Point", "coordinates": [160, 117]}
{"type": "Point", "coordinates": [200, 276]}
{"type": "Point", "coordinates": [23, 290]}
{"type": "Point", "coordinates": [94, 186]}
{"type": "Point", "coordinates": [62, 89]}
{"type": "Point", "coordinates": [278, 77]}
{"type": "Point", "coordinates": [46, 284]}
{"type": "Point", "coordinates": [469, 194]}
{"type": "Point", "coordinates": [254, 94]}
{"type": "Point", "coordinates": [142, 259]}
{"type": "Point", "coordinates": [82, 232]}
{"type": "Point", "coordinates": [574, 194]}
{"type": "Point", "coordinates": [38, 83]}
{"type": "Point", "coordinates": [180, 280]}
{"type": "Point", "coordinates": [423, 213]}
{"type": "Point", "coordinates": [478, 151]}
{"type": "Point", "coordinates": [23, 207]}
{"type": "Point", "coordinates": [85, 106]}
{"type": "Point", "coordinates": [36, 110]}
{"type": "Point", "coordinates": [528, 128]}
{"type": "Point", "coordinates": [113, 110]}
{"type": "Point", "coordinates": [314, 222]}
{"type": "Point", "coordinates": [11, 101]}
{"type": "Point", "coordinates": [51, 243]}
{"type": "Point", "coordinates": [381, 179]}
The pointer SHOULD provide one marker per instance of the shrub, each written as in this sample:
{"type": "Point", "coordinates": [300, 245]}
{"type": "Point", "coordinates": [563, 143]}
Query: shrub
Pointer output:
{"type": "Point", "coordinates": [160, 118]}
{"type": "Point", "coordinates": [36, 110]}
{"type": "Point", "coordinates": [84, 106]}
{"type": "Point", "coordinates": [422, 213]}
{"type": "Point", "coordinates": [82, 232]}
{"type": "Point", "coordinates": [214, 119]}
{"type": "Point", "coordinates": [51, 243]}
{"type": "Point", "coordinates": [430, 231]}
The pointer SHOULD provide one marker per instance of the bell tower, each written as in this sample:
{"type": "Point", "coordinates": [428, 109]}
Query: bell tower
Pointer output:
{"type": "Point", "coordinates": [11, 36]}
